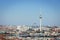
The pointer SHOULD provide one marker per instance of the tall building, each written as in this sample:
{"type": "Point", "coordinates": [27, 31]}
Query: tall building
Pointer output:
{"type": "Point", "coordinates": [40, 22]}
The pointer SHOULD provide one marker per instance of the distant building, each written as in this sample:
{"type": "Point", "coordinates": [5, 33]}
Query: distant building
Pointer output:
{"type": "Point", "coordinates": [23, 28]}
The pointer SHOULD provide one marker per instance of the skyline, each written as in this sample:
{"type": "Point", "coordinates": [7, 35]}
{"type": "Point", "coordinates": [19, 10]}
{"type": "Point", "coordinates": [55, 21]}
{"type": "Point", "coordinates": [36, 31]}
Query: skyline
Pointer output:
{"type": "Point", "coordinates": [27, 12]}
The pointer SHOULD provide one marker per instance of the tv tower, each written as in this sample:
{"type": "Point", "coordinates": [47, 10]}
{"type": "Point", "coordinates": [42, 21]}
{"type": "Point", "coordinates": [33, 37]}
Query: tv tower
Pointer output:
{"type": "Point", "coordinates": [40, 22]}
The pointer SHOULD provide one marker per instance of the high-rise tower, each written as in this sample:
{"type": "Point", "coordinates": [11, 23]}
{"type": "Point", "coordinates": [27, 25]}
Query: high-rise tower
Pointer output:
{"type": "Point", "coordinates": [40, 22]}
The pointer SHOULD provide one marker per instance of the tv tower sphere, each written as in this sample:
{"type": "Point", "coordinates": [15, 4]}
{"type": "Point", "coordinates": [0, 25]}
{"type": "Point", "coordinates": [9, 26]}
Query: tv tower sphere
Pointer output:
{"type": "Point", "coordinates": [40, 17]}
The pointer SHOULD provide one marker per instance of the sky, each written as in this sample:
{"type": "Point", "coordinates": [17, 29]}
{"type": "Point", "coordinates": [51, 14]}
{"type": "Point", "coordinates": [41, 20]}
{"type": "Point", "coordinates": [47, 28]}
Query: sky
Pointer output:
{"type": "Point", "coordinates": [27, 12]}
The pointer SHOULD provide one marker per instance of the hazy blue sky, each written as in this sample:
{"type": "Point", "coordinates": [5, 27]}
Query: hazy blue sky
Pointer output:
{"type": "Point", "coordinates": [27, 12]}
